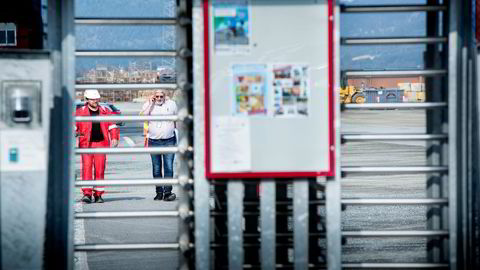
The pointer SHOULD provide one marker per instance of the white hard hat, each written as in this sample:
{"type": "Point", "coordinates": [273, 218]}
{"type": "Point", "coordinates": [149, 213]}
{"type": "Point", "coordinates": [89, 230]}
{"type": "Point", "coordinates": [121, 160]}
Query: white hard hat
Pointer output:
{"type": "Point", "coordinates": [91, 94]}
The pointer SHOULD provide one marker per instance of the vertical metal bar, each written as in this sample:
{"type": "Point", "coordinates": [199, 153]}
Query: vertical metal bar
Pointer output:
{"type": "Point", "coordinates": [464, 163]}
{"type": "Point", "coordinates": [201, 184]}
{"type": "Point", "coordinates": [300, 223]}
{"type": "Point", "coordinates": [181, 97]}
{"type": "Point", "coordinates": [61, 43]}
{"type": "Point", "coordinates": [436, 123]}
{"type": "Point", "coordinates": [235, 194]}
{"type": "Point", "coordinates": [268, 228]}
{"type": "Point", "coordinates": [475, 185]}
{"type": "Point", "coordinates": [453, 83]}
{"type": "Point", "coordinates": [332, 186]}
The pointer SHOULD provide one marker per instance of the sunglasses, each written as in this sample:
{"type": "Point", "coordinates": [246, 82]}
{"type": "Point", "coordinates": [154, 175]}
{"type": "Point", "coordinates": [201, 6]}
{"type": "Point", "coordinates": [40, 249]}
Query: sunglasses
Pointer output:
{"type": "Point", "coordinates": [159, 96]}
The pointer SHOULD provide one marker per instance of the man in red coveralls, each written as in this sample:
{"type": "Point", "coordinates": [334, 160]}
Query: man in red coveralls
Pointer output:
{"type": "Point", "coordinates": [94, 135]}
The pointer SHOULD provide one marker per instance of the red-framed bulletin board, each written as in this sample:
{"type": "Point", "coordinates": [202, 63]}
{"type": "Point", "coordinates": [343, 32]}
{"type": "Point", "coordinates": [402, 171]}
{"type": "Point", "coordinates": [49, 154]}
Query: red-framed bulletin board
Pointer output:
{"type": "Point", "coordinates": [269, 88]}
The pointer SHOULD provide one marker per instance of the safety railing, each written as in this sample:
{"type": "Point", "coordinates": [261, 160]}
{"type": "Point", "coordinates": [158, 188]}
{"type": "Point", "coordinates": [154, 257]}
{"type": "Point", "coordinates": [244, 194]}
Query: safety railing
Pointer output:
{"type": "Point", "coordinates": [393, 41]}
{"type": "Point", "coordinates": [400, 106]}
{"type": "Point", "coordinates": [392, 137]}
{"type": "Point", "coordinates": [438, 139]}
{"type": "Point", "coordinates": [182, 53]}
{"type": "Point", "coordinates": [394, 73]}
{"type": "Point", "coordinates": [133, 86]}
{"type": "Point", "coordinates": [392, 8]}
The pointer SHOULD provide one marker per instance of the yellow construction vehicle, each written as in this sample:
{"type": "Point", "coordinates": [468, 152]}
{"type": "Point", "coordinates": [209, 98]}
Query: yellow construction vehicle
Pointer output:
{"type": "Point", "coordinates": [350, 94]}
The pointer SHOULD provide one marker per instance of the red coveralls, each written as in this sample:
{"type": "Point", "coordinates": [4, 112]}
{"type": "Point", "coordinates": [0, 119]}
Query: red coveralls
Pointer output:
{"type": "Point", "coordinates": [110, 131]}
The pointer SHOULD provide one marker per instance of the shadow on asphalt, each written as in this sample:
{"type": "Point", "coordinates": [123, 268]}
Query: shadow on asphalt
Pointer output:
{"type": "Point", "coordinates": [124, 199]}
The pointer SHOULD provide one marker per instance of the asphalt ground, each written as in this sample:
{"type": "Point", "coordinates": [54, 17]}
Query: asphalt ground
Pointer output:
{"type": "Point", "coordinates": [164, 230]}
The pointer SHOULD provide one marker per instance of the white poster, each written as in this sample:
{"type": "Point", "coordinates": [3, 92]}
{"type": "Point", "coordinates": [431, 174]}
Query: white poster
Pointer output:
{"type": "Point", "coordinates": [231, 144]}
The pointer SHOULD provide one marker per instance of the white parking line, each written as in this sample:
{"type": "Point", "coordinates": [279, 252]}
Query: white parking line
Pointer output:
{"type": "Point", "coordinates": [79, 238]}
{"type": "Point", "coordinates": [129, 141]}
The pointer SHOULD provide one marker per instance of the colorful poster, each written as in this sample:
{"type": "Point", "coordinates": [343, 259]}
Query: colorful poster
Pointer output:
{"type": "Point", "coordinates": [249, 85]}
{"type": "Point", "coordinates": [291, 90]}
{"type": "Point", "coordinates": [231, 26]}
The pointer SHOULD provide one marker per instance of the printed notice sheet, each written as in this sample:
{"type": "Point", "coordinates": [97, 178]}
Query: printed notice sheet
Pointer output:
{"type": "Point", "coordinates": [291, 90]}
{"type": "Point", "coordinates": [231, 26]}
{"type": "Point", "coordinates": [249, 85]}
{"type": "Point", "coordinates": [231, 144]}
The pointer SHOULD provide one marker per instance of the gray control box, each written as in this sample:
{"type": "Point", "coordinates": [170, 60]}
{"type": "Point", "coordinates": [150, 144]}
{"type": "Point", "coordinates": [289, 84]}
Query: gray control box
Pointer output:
{"type": "Point", "coordinates": [25, 91]}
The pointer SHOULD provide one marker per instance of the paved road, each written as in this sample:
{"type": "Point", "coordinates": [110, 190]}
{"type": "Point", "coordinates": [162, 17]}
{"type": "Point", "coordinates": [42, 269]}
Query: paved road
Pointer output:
{"type": "Point", "coordinates": [355, 186]}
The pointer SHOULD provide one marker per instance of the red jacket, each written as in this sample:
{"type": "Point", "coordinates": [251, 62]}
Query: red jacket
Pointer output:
{"type": "Point", "coordinates": [84, 129]}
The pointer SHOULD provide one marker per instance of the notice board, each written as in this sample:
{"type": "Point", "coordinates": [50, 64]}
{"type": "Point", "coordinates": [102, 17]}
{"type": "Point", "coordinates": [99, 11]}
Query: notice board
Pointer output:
{"type": "Point", "coordinates": [269, 104]}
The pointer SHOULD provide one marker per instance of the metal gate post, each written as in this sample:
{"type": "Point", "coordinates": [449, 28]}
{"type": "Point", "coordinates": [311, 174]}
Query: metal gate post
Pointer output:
{"type": "Point", "coordinates": [201, 185]}
{"type": "Point", "coordinates": [454, 87]}
{"type": "Point", "coordinates": [268, 226]}
{"type": "Point", "coordinates": [183, 67]}
{"type": "Point", "coordinates": [235, 194]}
{"type": "Point", "coordinates": [333, 206]}
{"type": "Point", "coordinates": [61, 43]}
{"type": "Point", "coordinates": [437, 153]}
{"type": "Point", "coordinates": [300, 223]}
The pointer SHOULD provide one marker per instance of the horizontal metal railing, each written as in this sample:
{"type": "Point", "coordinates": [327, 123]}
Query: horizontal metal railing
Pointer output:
{"type": "Point", "coordinates": [391, 8]}
{"type": "Point", "coordinates": [380, 106]}
{"type": "Point", "coordinates": [349, 265]}
{"type": "Point", "coordinates": [99, 247]}
{"type": "Point", "coordinates": [128, 214]}
{"type": "Point", "coordinates": [408, 201]}
{"type": "Point", "coordinates": [395, 137]}
{"type": "Point", "coordinates": [424, 233]}
{"type": "Point", "coordinates": [395, 169]}
{"type": "Point", "coordinates": [394, 265]}
{"type": "Point", "coordinates": [130, 118]}
{"type": "Point", "coordinates": [133, 150]}
{"type": "Point", "coordinates": [127, 86]}
{"type": "Point", "coordinates": [130, 21]}
{"type": "Point", "coordinates": [394, 73]}
{"type": "Point", "coordinates": [122, 53]}
{"type": "Point", "coordinates": [133, 182]}
{"type": "Point", "coordinates": [394, 201]}
{"type": "Point", "coordinates": [392, 40]}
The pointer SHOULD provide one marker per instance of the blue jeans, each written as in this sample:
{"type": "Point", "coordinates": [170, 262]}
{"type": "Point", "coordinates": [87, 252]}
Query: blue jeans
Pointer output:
{"type": "Point", "coordinates": [167, 162]}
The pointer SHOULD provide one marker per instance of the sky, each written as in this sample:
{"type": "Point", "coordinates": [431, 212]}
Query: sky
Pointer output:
{"type": "Point", "coordinates": [159, 37]}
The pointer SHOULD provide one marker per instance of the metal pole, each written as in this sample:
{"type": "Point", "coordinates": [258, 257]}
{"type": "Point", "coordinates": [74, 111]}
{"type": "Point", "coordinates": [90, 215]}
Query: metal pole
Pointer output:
{"type": "Point", "coordinates": [201, 185]}
{"type": "Point", "coordinates": [453, 89]}
{"type": "Point", "coordinates": [436, 123]}
{"type": "Point", "coordinates": [268, 228]}
{"type": "Point", "coordinates": [61, 43]}
{"type": "Point", "coordinates": [182, 99]}
{"type": "Point", "coordinates": [300, 223]}
{"type": "Point", "coordinates": [333, 207]}
{"type": "Point", "coordinates": [235, 196]}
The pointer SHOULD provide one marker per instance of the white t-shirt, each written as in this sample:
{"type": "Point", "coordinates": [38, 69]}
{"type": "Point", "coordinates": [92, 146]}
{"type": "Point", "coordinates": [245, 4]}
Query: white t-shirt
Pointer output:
{"type": "Point", "coordinates": [161, 129]}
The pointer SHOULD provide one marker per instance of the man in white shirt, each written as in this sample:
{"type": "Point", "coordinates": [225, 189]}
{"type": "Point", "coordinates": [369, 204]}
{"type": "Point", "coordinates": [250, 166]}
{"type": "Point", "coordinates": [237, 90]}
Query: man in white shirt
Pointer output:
{"type": "Point", "coordinates": [161, 134]}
